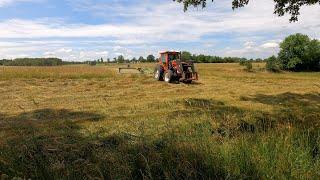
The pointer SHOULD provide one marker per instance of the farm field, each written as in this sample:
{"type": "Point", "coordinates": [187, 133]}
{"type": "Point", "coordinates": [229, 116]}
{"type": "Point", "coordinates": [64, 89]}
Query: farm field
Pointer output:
{"type": "Point", "coordinates": [91, 122]}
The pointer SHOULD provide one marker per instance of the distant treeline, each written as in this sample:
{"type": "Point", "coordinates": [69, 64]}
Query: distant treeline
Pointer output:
{"type": "Point", "coordinates": [216, 59]}
{"type": "Point", "coordinates": [35, 62]}
{"type": "Point", "coordinates": [201, 58]}
{"type": "Point", "coordinates": [186, 56]}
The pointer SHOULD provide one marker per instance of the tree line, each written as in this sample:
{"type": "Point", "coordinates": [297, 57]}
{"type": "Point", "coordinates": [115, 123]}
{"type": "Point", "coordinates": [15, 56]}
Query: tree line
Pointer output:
{"type": "Point", "coordinates": [35, 62]}
{"type": "Point", "coordinates": [186, 56]}
{"type": "Point", "coordinates": [32, 62]}
{"type": "Point", "coordinates": [298, 52]}
{"type": "Point", "coordinates": [201, 58]}
{"type": "Point", "coordinates": [141, 59]}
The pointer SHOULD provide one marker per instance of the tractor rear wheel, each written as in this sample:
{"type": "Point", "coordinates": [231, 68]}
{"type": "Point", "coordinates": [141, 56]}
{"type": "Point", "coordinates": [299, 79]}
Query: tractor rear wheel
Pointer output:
{"type": "Point", "coordinates": [158, 73]}
{"type": "Point", "coordinates": [168, 76]}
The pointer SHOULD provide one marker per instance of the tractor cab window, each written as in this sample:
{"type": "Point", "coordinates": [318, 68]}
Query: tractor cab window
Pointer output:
{"type": "Point", "coordinates": [173, 57]}
{"type": "Point", "coordinates": [163, 58]}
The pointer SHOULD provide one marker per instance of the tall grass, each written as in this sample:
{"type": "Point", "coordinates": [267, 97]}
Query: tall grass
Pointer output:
{"type": "Point", "coordinates": [57, 149]}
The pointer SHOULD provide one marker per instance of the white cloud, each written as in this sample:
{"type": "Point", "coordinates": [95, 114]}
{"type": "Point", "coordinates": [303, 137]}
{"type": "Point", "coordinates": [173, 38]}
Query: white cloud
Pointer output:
{"type": "Point", "coordinates": [249, 44]}
{"type": "Point", "coordinates": [117, 48]}
{"type": "Point", "coordinates": [270, 45]}
{"type": "Point", "coordinates": [6, 2]}
{"type": "Point", "coordinates": [76, 55]}
{"type": "Point", "coordinates": [64, 50]}
{"type": "Point", "coordinates": [178, 26]}
{"type": "Point", "coordinates": [252, 49]}
{"type": "Point", "coordinates": [17, 28]}
{"type": "Point", "coordinates": [60, 49]}
{"type": "Point", "coordinates": [9, 2]}
{"type": "Point", "coordinates": [93, 54]}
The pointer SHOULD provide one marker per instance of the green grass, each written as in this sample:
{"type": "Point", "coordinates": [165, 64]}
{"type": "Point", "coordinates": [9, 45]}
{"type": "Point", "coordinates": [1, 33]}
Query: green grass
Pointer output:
{"type": "Point", "coordinates": [82, 122]}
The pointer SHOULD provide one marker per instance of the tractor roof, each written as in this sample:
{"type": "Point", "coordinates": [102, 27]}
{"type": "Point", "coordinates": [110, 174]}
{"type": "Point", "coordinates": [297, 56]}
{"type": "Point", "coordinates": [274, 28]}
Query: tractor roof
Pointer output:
{"type": "Point", "coordinates": [169, 52]}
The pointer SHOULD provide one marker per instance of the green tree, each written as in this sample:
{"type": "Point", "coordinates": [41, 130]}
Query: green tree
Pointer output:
{"type": "Point", "coordinates": [120, 59]}
{"type": "Point", "coordinates": [242, 62]}
{"type": "Point", "coordinates": [312, 55]}
{"type": "Point", "coordinates": [298, 53]}
{"type": "Point", "coordinates": [151, 58]}
{"type": "Point", "coordinates": [134, 59]}
{"type": "Point", "coordinates": [141, 59]}
{"type": "Point", "coordinates": [282, 7]}
{"type": "Point", "coordinates": [185, 55]}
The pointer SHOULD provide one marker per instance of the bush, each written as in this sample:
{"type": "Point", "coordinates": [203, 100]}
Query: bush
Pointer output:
{"type": "Point", "coordinates": [272, 64]}
{"type": "Point", "coordinates": [242, 62]}
{"type": "Point", "coordinates": [248, 65]}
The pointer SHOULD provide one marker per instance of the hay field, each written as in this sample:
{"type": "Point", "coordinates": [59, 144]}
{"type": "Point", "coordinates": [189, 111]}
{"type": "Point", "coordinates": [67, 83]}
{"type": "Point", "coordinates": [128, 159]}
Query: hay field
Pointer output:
{"type": "Point", "coordinates": [86, 122]}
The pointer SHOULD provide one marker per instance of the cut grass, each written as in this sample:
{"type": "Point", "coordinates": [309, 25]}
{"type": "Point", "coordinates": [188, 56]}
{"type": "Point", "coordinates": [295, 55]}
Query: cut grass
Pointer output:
{"type": "Point", "coordinates": [74, 122]}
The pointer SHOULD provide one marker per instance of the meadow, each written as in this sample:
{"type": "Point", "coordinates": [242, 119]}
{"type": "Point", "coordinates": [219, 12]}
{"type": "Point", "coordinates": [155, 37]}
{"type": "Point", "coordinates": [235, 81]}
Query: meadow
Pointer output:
{"type": "Point", "coordinates": [89, 122]}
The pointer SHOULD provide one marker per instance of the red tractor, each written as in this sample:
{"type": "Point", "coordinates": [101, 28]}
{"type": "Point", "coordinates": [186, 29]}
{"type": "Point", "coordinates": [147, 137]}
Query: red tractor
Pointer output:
{"type": "Point", "coordinates": [170, 68]}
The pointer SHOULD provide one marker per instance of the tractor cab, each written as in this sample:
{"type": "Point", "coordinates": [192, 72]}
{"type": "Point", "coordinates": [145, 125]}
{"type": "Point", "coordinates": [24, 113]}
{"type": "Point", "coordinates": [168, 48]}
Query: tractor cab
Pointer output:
{"type": "Point", "coordinates": [168, 57]}
{"type": "Point", "coordinates": [171, 68]}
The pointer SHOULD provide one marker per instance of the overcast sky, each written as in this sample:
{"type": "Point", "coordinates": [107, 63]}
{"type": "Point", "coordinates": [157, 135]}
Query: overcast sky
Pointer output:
{"type": "Point", "coordinates": [88, 29]}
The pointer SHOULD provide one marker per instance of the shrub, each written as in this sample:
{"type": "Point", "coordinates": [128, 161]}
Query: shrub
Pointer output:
{"type": "Point", "coordinates": [272, 64]}
{"type": "Point", "coordinates": [248, 65]}
{"type": "Point", "coordinates": [242, 62]}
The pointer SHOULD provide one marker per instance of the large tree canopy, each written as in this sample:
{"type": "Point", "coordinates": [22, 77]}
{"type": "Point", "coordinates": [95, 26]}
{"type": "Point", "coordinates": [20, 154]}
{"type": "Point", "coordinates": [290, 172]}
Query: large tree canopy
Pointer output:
{"type": "Point", "coordinates": [299, 53]}
{"type": "Point", "coordinates": [281, 8]}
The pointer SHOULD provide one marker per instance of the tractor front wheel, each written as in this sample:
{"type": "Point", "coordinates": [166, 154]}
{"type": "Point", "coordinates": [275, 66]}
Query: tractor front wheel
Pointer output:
{"type": "Point", "coordinates": [168, 76]}
{"type": "Point", "coordinates": [158, 73]}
